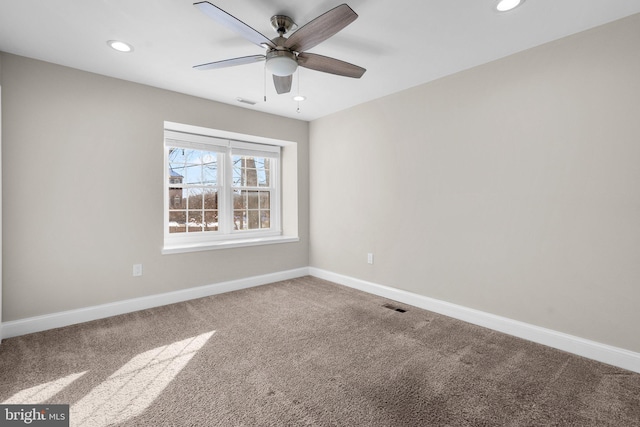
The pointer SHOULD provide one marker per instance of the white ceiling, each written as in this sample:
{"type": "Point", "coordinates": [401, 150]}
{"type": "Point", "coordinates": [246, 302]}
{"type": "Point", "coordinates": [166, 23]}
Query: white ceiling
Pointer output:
{"type": "Point", "coordinates": [401, 43]}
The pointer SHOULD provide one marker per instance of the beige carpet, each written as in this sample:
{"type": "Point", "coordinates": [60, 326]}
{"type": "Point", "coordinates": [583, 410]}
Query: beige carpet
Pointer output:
{"type": "Point", "coordinates": [308, 352]}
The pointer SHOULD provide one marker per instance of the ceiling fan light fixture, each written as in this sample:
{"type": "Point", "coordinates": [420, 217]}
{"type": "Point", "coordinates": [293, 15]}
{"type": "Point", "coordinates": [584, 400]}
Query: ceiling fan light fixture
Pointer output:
{"type": "Point", "coordinates": [299, 98]}
{"type": "Point", "coordinates": [507, 5]}
{"type": "Point", "coordinates": [281, 63]}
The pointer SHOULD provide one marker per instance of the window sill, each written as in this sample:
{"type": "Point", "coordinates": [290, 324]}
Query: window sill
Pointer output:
{"type": "Point", "coordinates": [227, 244]}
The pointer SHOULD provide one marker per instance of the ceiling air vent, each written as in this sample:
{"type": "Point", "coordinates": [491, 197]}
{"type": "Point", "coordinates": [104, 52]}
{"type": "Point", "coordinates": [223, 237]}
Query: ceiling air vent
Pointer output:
{"type": "Point", "coordinates": [246, 101]}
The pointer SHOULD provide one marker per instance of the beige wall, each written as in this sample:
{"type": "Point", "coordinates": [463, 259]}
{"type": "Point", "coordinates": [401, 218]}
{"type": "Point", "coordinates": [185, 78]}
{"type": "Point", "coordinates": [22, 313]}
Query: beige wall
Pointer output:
{"type": "Point", "coordinates": [512, 188]}
{"type": "Point", "coordinates": [82, 183]}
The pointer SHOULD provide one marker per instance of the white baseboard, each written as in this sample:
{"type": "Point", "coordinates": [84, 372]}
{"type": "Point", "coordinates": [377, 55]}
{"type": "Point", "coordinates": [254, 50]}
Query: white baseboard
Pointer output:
{"type": "Point", "coordinates": [582, 347]}
{"type": "Point", "coordinates": [71, 317]}
{"type": "Point", "coordinates": [590, 349]}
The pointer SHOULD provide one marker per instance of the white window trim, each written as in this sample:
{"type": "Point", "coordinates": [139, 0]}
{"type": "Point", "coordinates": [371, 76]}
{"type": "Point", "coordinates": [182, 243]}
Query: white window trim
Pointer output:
{"type": "Point", "coordinates": [227, 244]}
{"type": "Point", "coordinates": [177, 244]}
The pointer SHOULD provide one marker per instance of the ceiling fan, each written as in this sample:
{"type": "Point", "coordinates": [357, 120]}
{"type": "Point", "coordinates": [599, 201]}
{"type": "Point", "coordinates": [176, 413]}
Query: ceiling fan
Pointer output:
{"type": "Point", "coordinates": [284, 55]}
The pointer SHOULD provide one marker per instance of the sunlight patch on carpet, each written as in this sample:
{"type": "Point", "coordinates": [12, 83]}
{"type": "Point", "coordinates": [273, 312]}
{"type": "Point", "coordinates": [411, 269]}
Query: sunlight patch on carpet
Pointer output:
{"type": "Point", "coordinates": [131, 389]}
{"type": "Point", "coordinates": [42, 392]}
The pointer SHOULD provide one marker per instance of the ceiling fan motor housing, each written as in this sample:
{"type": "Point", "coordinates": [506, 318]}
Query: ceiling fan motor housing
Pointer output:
{"type": "Point", "coordinates": [282, 24]}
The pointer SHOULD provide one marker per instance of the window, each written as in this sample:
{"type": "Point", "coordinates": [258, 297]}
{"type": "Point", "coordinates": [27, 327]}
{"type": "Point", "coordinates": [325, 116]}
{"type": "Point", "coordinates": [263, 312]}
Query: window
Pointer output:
{"type": "Point", "coordinates": [219, 191]}
{"type": "Point", "coordinates": [251, 192]}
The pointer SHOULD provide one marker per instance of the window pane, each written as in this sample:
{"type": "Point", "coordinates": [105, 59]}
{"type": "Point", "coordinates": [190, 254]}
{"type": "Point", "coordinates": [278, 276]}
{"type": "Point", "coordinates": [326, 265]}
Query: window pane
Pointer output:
{"type": "Point", "coordinates": [210, 169]}
{"type": "Point", "coordinates": [265, 200]}
{"type": "Point", "coordinates": [175, 178]}
{"type": "Point", "coordinates": [252, 199]}
{"type": "Point", "coordinates": [254, 222]}
{"type": "Point", "coordinates": [251, 171]}
{"type": "Point", "coordinates": [239, 220]}
{"type": "Point", "coordinates": [195, 221]}
{"type": "Point", "coordinates": [262, 165]}
{"type": "Point", "coordinates": [265, 219]}
{"type": "Point", "coordinates": [210, 220]}
{"type": "Point", "coordinates": [237, 174]}
{"type": "Point", "coordinates": [195, 198]}
{"type": "Point", "coordinates": [192, 174]}
{"type": "Point", "coordinates": [239, 199]}
{"type": "Point", "coordinates": [177, 161]}
{"type": "Point", "coordinates": [175, 199]}
{"type": "Point", "coordinates": [177, 222]}
{"type": "Point", "coordinates": [188, 166]}
{"type": "Point", "coordinates": [210, 199]}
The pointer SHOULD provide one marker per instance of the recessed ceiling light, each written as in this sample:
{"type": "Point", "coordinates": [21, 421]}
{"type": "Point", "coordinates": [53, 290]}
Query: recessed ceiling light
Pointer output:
{"type": "Point", "coordinates": [507, 5]}
{"type": "Point", "coordinates": [299, 98]}
{"type": "Point", "coordinates": [120, 46]}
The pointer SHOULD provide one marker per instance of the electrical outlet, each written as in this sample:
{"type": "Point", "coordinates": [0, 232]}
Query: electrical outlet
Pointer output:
{"type": "Point", "coordinates": [137, 270]}
{"type": "Point", "coordinates": [370, 258]}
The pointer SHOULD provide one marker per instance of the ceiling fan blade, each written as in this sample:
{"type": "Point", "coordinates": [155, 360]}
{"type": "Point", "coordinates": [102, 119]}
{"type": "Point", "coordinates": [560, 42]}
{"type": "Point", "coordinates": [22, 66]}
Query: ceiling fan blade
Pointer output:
{"type": "Point", "coordinates": [282, 84]}
{"type": "Point", "coordinates": [233, 23]}
{"type": "Point", "coordinates": [329, 65]}
{"type": "Point", "coordinates": [230, 62]}
{"type": "Point", "coordinates": [321, 28]}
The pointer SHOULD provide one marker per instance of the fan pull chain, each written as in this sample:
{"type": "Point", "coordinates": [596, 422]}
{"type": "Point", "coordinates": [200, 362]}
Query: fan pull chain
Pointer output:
{"type": "Point", "coordinates": [265, 82]}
